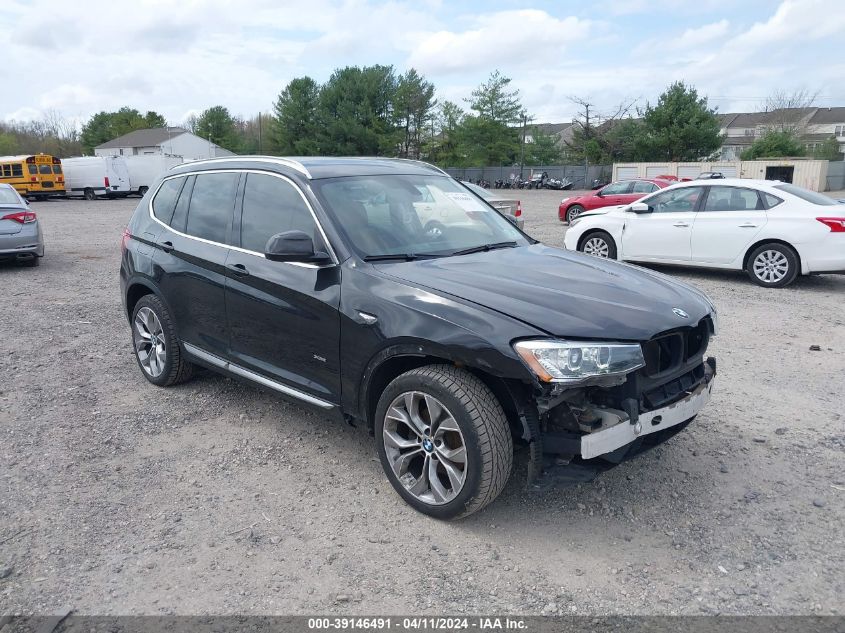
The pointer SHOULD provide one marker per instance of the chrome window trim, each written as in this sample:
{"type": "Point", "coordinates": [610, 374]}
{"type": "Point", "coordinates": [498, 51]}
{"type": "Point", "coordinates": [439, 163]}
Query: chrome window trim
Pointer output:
{"type": "Point", "coordinates": [213, 359]}
{"type": "Point", "coordinates": [237, 170]}
{"type": "Point", "coordinates": [287, 162]}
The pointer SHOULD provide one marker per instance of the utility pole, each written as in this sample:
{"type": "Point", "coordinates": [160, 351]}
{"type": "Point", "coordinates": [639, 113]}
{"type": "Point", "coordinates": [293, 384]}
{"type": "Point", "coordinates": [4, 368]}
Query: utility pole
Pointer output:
{"type": "Point", "coordinates": [522, 148]}
{"type": "Point", "coordinates": [259, 132]}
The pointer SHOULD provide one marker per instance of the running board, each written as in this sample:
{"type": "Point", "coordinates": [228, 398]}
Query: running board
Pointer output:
{"type": "Point", "coordinates": [216, 361]}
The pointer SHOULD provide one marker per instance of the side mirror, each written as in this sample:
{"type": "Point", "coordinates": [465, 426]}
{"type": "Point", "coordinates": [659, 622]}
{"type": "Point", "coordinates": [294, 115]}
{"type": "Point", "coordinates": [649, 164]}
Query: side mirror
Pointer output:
{"type": "Point", "coordinates": [294, 246]}
{"type": "Point", "coordinates": [599, 193]}
{"type": "Point", "coordinates": [641, 207]}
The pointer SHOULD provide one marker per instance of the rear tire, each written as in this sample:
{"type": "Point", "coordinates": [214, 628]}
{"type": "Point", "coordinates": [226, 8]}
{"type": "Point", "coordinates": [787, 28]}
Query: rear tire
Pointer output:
{"type": "Point", "coordinates": [598, 244]}
{"type": "Point", "coordinates": [446, 421]}
{"type": "Point", "coordinates": [157, 348]}
{"type": "Point", "coordinates": [573, 212]}
{"type": "Point", "coordinates": [88, 194]}
{"type": "Point", "coordinates": [142, 191]}
{"type": "Point", "coordinates": [33, 263]}
{"type": "Point", "coordinates": [773, 265]}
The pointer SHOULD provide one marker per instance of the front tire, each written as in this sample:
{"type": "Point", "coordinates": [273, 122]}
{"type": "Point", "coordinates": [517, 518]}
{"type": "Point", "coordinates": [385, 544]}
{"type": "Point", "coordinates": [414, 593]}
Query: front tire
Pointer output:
{"type": "Point", "coordinates": [598, 244]}
{"type": "Point", "coordinates": [443, 441]}
{"type": "Point", "coordinates": [772, 265]}
{"type": "Point", "coordinates": [157, 347]}
{"type": "Point", "coordinates": [573, 212]}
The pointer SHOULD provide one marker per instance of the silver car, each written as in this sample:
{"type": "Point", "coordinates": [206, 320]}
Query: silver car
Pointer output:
{"type": "Point", "coordinates": [511, 209]}
{"type": "Point", "coordinates": [20, 231]}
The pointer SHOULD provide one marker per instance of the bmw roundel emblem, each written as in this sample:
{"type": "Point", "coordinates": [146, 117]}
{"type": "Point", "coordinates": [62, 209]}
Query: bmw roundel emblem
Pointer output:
{"type": "Point", "coordinates": [680, 313]}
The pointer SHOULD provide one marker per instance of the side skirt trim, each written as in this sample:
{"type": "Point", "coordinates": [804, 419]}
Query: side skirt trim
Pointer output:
{"type": "Point", "coordinates": [216, 361]}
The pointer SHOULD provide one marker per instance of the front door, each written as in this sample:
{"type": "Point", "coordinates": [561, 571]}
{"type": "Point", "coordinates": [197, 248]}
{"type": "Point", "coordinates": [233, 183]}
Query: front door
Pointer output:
{"type": "Point", "coordinates": [664, 233]}
{"type": "Point", "coordinates": [729, 221]}
{"type": "Point", "coordinates": [283, 317]}
{"type": "Point", "coordinates": [614, 194]}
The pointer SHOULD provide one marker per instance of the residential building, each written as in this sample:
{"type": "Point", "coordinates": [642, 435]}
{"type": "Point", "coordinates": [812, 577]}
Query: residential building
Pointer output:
{"type": "Point", "coordinates": [172, 141]}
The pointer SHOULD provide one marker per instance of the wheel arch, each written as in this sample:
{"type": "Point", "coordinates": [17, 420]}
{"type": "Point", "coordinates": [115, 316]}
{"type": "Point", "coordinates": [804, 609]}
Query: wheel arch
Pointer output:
{"type": "Point", "coordinates": [592, 231]}
{"type": "Point", "coordinates": [395, 361]}
{"type": "Point", "coordinates": [136, 289]}
{"type": "Point", "coordinates": [771, 240]}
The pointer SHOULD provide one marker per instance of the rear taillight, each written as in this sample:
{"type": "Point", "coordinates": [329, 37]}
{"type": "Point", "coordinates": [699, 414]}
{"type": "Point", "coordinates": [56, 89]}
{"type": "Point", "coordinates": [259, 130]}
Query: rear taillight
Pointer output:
{"type": "Point", "coordinates": [23, 217]}
{"type": "Point", "coordinates": [33, 179]}
{"type": "Point", "coordinates": [518, 212]}
{"type": "Point", "coordinates": [124, 240]}
{"type": "Point", "coordinates": [106, 181]}
{"type": "Point", "coordinates": [836, 225]}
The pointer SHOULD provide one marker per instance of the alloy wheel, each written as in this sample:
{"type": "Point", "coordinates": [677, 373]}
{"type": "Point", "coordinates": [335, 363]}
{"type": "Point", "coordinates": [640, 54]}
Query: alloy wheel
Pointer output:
{"type": "Point", "coordinates": [425, 447]}
{"type": "Point", "coordinates": [771, 266]}
{"type": "Point", "coordinates": [596, 246]}
{"type": "Point", "coordinates": [150, 345]}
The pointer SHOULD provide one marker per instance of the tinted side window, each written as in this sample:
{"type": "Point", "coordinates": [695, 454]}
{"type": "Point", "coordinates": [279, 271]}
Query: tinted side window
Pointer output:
{"type": "Point", "coordinates": [641, 186]}
{"type": "Point", "coordinates": [732, 199]}
{"type": "Point", "coordinates": [212, 202]}
{"type": "Point", "coordinates": [616, 188]}
{"type": "Point", "coordinates": [674, 200]}
{"type": "Point", "coordinates": [17, 170]}
{"type": "Point", "coordinates": [165, 199]}
{"type": "Point", "coordinates": [32, 169]}
{"type": "Point", "coordinates": [272, 205]}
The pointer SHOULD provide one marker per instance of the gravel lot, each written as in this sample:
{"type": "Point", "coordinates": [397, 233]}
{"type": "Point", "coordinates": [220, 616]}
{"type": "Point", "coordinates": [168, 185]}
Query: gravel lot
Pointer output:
{"type": "Point", "coordinates": [214, 497]}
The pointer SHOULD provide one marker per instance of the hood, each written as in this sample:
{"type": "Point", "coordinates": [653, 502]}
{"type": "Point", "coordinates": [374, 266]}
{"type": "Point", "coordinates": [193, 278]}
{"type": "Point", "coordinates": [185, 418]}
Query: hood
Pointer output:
{"type": "Point", "coordinates": [565, 294]}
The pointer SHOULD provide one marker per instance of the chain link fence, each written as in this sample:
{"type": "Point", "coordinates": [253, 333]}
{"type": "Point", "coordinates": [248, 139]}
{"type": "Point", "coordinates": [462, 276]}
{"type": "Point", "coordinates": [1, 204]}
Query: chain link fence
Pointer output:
{"type": "Point", "coordinates": [575, 173]}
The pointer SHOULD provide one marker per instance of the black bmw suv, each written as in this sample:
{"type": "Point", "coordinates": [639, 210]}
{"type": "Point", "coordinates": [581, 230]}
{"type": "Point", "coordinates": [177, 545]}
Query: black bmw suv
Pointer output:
{"type": "Point", "coordinates": [387, 293]}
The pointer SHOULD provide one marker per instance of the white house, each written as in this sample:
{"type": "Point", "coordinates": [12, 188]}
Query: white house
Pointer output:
{"type": "Point", "coordinates": [172, 141]}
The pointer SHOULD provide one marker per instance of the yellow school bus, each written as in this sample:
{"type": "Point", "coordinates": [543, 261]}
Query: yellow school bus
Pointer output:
{"type": "Point", "coordinates": [36, 176]}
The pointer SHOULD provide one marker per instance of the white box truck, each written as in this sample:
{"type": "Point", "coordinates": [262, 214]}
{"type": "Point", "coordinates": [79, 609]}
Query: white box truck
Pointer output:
{"type": "Point", "coordinates": [96, 176]}
{"type": "Point", "coordinates": [145, 168]}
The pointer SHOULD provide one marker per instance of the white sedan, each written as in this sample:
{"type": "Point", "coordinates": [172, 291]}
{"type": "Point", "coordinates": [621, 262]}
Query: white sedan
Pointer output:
{"type": "Point", "coordinates": [772, 230]}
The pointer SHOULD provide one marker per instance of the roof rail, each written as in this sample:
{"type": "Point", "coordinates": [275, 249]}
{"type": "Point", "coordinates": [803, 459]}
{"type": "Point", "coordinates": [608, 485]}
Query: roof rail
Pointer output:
{"type": "Point", "coordinates": [425, 164]}
{"type": "Point", "coordinates": [293, 164]}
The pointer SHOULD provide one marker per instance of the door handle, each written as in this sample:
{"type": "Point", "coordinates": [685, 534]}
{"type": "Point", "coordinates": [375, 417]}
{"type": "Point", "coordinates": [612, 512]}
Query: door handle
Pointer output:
{"type": "Point", "coordinates": [166, 246]}
{"type": "Point", "coordinates": [680, 225]}
{"type": "Point", "coordinates": [238, 269]}
{"type": "Point", "coordinates": [748, 225]}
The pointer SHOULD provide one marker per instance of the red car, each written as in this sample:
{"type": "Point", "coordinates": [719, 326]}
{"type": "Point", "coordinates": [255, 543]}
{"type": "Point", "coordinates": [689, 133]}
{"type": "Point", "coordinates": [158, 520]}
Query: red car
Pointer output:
{"type": "Point", "coordinates": [619, 192]}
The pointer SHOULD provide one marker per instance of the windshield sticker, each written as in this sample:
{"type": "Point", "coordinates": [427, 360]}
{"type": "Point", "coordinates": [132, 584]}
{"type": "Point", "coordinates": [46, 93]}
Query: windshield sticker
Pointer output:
{"type": "Point", "coordinates": [466, 201]}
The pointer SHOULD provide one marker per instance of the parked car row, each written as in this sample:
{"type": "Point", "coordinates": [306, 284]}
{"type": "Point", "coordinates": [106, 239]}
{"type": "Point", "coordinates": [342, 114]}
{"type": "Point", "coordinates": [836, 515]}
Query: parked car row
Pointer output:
{"type": "Point", "coordinates": [774, 231]}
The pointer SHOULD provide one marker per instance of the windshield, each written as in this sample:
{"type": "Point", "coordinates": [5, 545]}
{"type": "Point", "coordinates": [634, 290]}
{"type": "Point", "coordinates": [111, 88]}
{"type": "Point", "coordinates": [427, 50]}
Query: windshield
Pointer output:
{"type": "Point", "coordinates": [413, 215]}
{"type": "Point", "coordinates": [806, 194]}
{"type": "Point", "coordinates": [8, 196]}
{"type": "Point", "coordinates": [479, 191]}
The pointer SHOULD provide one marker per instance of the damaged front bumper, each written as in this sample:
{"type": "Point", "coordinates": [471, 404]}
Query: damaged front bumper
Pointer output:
{"type": "Point", "coordinates": [618, 430]}
{"type": "Point", "coordinates": [616, 434]}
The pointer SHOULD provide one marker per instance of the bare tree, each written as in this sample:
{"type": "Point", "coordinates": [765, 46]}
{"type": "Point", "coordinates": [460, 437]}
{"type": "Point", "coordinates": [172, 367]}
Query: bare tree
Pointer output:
{"type": "Point", "coordinates": [789, 111]}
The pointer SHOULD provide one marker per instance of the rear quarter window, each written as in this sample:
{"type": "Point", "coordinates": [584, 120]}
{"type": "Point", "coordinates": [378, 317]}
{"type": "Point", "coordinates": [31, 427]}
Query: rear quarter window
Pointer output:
{"type": "Point", "coordinates": [165, 199]}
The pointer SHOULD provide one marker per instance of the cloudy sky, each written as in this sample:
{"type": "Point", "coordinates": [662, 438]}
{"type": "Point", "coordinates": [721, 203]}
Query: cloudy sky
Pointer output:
{"type": "Point", "coordinates": [179, 57]}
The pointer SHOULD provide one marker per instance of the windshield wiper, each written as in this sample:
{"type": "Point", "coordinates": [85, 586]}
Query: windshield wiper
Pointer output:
{"type": "Point", "coordinates": [484, 248]}
{"type": "Point", "coordinates": [399, 257]}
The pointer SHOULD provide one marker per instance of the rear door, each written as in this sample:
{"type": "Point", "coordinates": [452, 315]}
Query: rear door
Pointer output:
{"type": "Point", "coordinates": [119, 175]}
{"type": "Point", "coordinates": [729, 221]}
{"type": "Point", "coordinates": [283, 317]}
{"type": "Point", "coordinates": [191, 258]}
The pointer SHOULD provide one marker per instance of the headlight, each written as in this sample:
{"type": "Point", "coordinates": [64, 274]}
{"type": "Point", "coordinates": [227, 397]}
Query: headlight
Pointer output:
{"type": "Point", "coordinates": [714, 316]}
{"type": "Point", "coordinates": [564, 200]}
{"type": "Point", "coordinates": [571, 361]}
{"type": "Point", "coordinates": [574, 221]}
